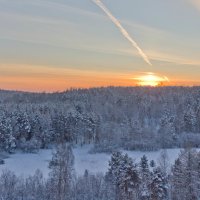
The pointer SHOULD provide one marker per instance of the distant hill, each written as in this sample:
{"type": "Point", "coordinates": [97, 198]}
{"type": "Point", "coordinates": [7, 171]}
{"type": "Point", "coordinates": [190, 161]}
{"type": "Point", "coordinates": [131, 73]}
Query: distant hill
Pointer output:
{"type": "Point", "coordinates": [129, 117]}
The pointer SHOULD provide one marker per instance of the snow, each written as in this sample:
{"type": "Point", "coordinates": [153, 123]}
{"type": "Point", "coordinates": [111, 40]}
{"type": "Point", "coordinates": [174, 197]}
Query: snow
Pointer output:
{"type": "Point", "coordinates": [95, 163]}
{"type": "Point", "coordinates": [27, 164]}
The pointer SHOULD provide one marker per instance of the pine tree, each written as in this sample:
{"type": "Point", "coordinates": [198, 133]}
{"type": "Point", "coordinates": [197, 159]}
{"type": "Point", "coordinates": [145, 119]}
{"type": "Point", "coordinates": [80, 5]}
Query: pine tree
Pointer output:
{"type": "Point", "coordinates": [124, 176]}
{"type": "Point", "coordinates": [190, 178]}
{"type": "Point", "coordinates": [145, 179]}
{"type": "Point", "coordinates": [178, 181]}
{"type": "Point", "coordinates": [167, 130]}
{"type": "Point", "coordinates": [144, 167]}
{"type": "Point", "coordinates": [152, 164]}
{"type": "Point", "coordinates": [128, 179]}
{"type": "Point", "coordinates": [113, 173]}
{"type": "Point", "coordinates": [159, 187]}
{"type": "Point", "coordinates": [7, 140]}
{"type": "Point", "coordinates": [185, 181]}
{"type": "Point", "coordinates": [189, 120]}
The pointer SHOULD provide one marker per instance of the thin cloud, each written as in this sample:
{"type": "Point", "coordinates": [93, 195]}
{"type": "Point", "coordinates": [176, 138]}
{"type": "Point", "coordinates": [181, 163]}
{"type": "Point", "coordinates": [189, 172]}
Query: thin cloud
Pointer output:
{"type": "Point", "coordinates": [61, 23]}
{"type": "Point", "coordinates": [154, 55]}
{"type": "Point", "coordinates": [122, 30]}
{"type": "Point", "coordinates": [164, 57]}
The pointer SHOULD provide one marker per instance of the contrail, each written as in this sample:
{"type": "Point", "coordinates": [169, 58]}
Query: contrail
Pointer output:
{"type": "Point", "coordinates": [122, 30]}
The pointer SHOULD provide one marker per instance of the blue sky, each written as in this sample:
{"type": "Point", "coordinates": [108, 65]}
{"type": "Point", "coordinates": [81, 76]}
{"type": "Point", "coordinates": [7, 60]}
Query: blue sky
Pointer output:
{"type": "Point", "coordinates": [43, 35]}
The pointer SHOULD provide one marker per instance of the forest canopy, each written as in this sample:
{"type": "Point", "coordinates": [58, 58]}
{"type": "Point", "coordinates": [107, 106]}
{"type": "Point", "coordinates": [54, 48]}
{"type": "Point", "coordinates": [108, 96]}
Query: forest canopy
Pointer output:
{"type": "Point", "coordinates": [144, 118]}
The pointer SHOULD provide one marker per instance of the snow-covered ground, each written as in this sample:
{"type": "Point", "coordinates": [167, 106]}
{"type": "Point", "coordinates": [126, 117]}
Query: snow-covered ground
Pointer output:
{"type": "Point", "coordinates": [27, 164]}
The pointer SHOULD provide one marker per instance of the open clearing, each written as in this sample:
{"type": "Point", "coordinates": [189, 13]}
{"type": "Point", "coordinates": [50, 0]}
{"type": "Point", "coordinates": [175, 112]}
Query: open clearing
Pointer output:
{"type": "Point", "coordinates": [26, 164]}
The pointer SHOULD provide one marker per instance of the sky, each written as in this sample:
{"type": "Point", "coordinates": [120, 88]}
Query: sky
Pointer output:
{"type": "Point", "coordinates": [53, 45]}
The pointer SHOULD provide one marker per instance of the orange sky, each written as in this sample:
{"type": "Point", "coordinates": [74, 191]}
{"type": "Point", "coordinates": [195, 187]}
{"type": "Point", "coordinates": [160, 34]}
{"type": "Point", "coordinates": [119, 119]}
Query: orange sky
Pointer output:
{"type": "Point", "coordinates": [56, 45]}
{"type": "Point", "coordinates": [41, 78]}
{"type": "Point", "coordinates": [30, 78]}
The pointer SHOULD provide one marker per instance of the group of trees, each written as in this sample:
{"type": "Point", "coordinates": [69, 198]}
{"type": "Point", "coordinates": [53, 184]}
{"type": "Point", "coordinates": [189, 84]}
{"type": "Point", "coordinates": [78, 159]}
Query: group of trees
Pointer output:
{"type": "Point", "coordinates": [124, 180]}
{"type": "Point", "coordinates": [133, 117]}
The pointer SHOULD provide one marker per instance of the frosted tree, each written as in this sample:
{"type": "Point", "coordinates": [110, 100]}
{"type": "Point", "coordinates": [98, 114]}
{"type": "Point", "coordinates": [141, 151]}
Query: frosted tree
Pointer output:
{"type": "Point", "coordinates": [7, 140]}
{"type": "Point", "coordinates": [189, 120]}
{"type": "Point", "coordinates": [191, 190]}
{"type": "Point", "coordinates": [159, 185]}
{"type": "Point", "coordinates": [61, 175]}
{"type": "Point", "coordinates": [163, 162]}
{"type": "Point", "coordinates": [178, 181]}
{"type": "Point", "coordinates": [91, 187]}
{"type": "Point", "coordinates": [145, 178]}
{"type": "Point", "coordinates": [152, 164]}
{"type": "Point", "coordinates": [185, 179]}
{"type": "Point", "coordinates": [128, 179]}
{"type": "Point", "coordinates": [8, 185]}
{"type": "Point", "coordinates": [124, 176]}
{"type": "Point", "coordinates": [35, 186]}
{"type": "Point", "coordinates": [167, 130]}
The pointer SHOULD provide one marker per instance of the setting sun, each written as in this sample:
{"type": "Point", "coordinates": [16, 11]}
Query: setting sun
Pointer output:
{"type": "Point", "coordinates": [151, 79]}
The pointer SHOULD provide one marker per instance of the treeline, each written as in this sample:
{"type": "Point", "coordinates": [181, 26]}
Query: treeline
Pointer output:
{"type": "Point", "coordinates": [124, 180]}
{"type": "Point", "coordinates": [142, 118]}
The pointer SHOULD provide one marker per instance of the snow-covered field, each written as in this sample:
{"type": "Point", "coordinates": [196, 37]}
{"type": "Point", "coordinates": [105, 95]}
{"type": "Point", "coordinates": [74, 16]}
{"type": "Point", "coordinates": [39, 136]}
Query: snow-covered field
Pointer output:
{"type": "Point", "coordinates": [27, 164]}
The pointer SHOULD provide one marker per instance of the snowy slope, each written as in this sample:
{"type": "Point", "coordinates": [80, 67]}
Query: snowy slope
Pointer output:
{"type": "Point", "coordinates": [26, 164]}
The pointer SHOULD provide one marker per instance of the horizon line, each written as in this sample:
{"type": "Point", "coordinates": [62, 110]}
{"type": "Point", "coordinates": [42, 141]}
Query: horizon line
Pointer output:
{"type": "Point", "coordinates": [98, 87]}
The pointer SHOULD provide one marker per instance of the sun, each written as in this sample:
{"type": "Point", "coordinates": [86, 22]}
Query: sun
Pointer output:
{"type": "Point", "coordinates": [150, 79]}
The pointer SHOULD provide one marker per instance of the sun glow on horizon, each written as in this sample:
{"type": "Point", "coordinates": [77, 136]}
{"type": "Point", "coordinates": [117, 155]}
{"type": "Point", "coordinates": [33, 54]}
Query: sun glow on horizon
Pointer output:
{"type": "Point", "coordinates": [150, 79]}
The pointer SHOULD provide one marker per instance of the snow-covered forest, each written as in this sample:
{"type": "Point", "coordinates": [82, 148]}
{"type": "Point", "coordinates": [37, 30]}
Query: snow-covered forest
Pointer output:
{"type": "Point", "coordinates": [109, 119]}
{"type": "Point", "coordinates": [133, 118]}
{"type": "Point", "coordinates": [124, 180]}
